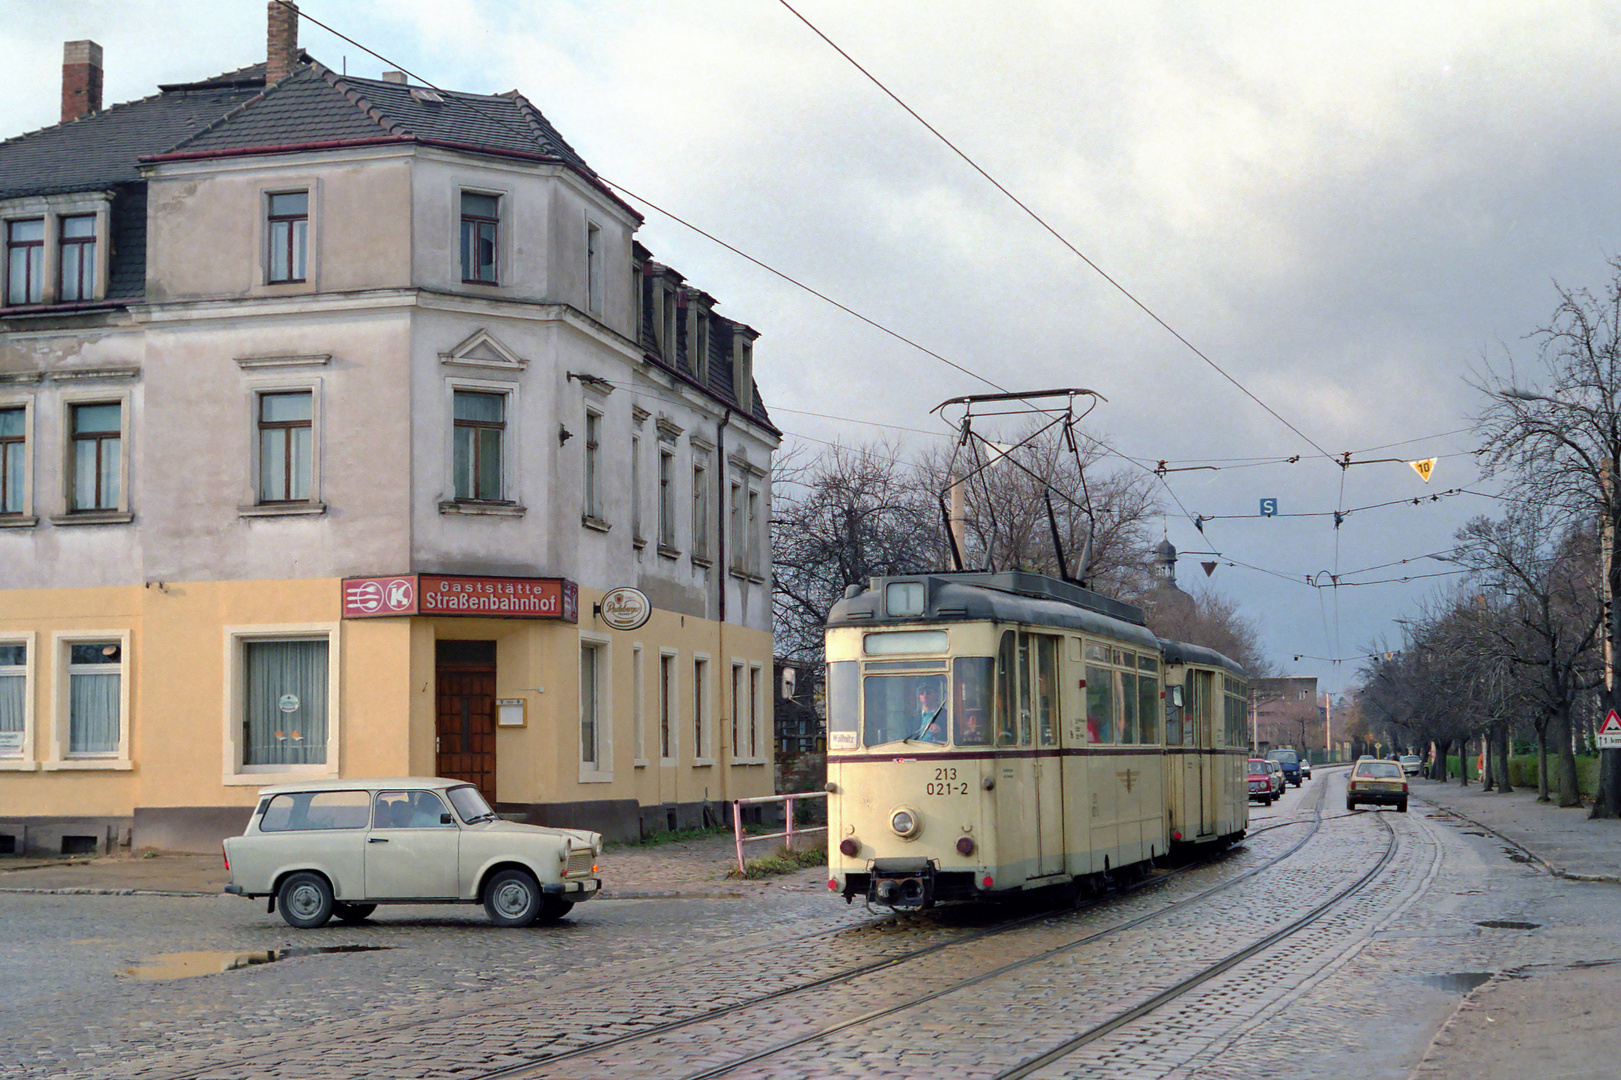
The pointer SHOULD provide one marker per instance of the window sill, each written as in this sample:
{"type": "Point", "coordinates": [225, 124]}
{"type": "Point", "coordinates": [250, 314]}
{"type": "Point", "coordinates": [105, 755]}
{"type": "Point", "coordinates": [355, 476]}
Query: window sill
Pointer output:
{"type": "Point", "coordinates": [748, 761]}
{"type": "Point", "coordinates": [596, 778]}
{"type": "Point", "coordinates": [283, 775]}
{"type": "Point", "coordinates": [17, 521]}
{"type": "Point", "coordinates": [747, 575]}
{"type": "Point", "coordinates": [18, 765]}
{"type": "Point", "coordinates": [595, 523]}
{"type": "Point", "coordinates": [640, 763]}
{"type": "Point", "coordinates": [93, 517]}
{"type": "Point", "coordinates": [101, 764]}
{"type": "Point", "coordinates": [638, 542]}
{"type": "Point", "coordinates": [702, 563]}
{"type": "Point", "coordinates": [669, 552]}
{"type": "Point", "coordinates": [700, 763]}
{"type": "Point", "coordinates": [305, 509]}
{"type": "Point", "coordinates": [485, 509]}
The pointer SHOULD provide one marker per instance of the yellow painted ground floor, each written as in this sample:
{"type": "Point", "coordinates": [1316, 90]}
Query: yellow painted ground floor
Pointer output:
{"type": "Point", "coordinates": [150, 716]}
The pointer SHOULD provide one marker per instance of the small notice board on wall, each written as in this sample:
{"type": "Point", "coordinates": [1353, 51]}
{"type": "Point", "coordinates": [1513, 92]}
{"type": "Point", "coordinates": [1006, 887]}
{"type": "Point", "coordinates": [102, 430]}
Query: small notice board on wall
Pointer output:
{"type": "Point", "coordinates": [509, 712]}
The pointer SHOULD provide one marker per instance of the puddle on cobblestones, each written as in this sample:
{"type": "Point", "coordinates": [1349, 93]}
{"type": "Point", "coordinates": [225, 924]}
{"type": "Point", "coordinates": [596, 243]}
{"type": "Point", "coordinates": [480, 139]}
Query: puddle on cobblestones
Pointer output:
{"type": "Point", "coordinates": [188, 965]}
{"type": "Point", "coordinates": [1508, 924]}
{"type": "Point", "coordinates": [1459, 981]}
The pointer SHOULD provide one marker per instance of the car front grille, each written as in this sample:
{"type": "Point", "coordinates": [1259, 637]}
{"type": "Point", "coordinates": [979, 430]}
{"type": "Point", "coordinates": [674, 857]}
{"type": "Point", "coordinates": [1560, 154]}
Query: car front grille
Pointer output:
{"type": "Point", "coordinates": [579, 862]}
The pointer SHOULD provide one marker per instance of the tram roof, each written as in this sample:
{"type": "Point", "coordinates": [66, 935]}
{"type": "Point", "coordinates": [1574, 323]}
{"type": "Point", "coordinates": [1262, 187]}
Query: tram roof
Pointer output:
{"type": "Point", "coordinates": [1180, 652]}
{"type": "Point", "coordinates": [1014, 596]}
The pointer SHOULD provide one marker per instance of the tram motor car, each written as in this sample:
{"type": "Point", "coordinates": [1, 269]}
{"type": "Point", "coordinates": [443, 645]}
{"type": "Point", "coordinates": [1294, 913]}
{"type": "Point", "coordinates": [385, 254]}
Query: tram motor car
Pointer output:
{"type": "Point", "coordinates": [994, 733]}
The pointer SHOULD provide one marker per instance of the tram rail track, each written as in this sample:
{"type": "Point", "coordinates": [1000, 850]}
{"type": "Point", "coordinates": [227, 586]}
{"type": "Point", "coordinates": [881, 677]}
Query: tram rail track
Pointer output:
{"type": "Point", "coordinates": [847, 975]}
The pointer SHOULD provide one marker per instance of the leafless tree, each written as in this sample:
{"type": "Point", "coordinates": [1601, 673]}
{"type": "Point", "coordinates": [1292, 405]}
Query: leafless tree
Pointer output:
{"type": "Point", "coordinates": [1558, 441]}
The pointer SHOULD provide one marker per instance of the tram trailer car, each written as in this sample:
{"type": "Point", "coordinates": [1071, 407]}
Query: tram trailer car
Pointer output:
{"type": "Point", "coordinates": [993, 733]}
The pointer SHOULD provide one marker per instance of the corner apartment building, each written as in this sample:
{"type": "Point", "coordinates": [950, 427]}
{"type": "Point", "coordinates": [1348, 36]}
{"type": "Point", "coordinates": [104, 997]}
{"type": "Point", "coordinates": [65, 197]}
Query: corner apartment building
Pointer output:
{"type": "Point", "coordinates": [330, 411]}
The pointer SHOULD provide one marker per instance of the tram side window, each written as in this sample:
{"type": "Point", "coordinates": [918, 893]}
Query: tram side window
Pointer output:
{"type": "Point", "coordinates": [1128, 707]}
{"type": "Point", "coordinates": [1147, 708]}
{"type": "Point", "coordinates": [1173, 721]}
{"type": "Point", "coordinates": [843, 705]}
{"type": "Point", "coordinates": [899, 707]}
{"type": "Point", "coordinates": [1047, 690]}
{"type": "Point", "coordinates": [1099, 705]}
{"type": "Point", "coordinates": [1007, 698]}
{"type": "Point", "coordinates": [972, 677]}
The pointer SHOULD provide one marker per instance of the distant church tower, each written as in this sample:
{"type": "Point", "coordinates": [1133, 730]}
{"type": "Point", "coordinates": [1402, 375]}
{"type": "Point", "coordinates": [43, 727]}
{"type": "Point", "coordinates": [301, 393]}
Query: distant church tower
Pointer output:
{"type": "Point", "coordinates": [1165, 555]}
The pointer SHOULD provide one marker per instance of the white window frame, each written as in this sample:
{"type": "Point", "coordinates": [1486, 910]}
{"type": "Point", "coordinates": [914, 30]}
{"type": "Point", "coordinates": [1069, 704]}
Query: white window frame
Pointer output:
{"type": "Point", "coordinates": [25, 516]}
{"type": "Point", "coordinates": [113, 514]}
{"type": "Point", "coordinates": [24, 759]}
{"type": "Point", "coordinates": [700, 508]}
{"type": "Point", "coordinates": [511, 501]}
{"type": "Point", "coordinates": [668, 500]}
{"type": "Point", "coordinates": [758, 714]}
{"type": "Point", "coordinates": [233, 772]}
{"type": "Point", "coordinates": [669, 710]}
{"type": "Point", "coordinates": [740, 680]}
{"type": "Point", "coordinates": [601, 771]}
{"type": "Point", "coordinates": [251, 506]}
{"type": "Point", "coordinates": [59, 759]}
{"type": "Point", "coordinates": [503, 234]}
{"type": "Point", "coordinates": [638, 705]}
{"type": "Point", "coordinates": [703, 704]}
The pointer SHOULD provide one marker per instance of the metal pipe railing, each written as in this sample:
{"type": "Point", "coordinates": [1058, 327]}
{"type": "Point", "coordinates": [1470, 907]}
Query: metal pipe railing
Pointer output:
{"type": "Point", "coordinates": [788, 814]}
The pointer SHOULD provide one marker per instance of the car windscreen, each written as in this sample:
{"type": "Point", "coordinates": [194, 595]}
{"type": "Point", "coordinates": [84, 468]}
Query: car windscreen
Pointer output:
{"type": "Point", "coordinates": [1284, 757]}
{"type": "Point", "coordinates": [469, 803]}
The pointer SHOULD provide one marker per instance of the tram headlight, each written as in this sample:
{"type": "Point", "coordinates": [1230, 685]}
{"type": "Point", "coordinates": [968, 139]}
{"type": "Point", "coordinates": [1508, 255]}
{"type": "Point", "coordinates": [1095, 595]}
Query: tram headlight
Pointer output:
{"type": "Point", "coordinates": [905, 823]}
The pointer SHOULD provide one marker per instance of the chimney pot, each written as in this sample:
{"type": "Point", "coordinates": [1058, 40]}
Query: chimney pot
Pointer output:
{"type": "Point", "coordinates": [81, 79]}
{"type": "Point", "coordinates": [281, 41]}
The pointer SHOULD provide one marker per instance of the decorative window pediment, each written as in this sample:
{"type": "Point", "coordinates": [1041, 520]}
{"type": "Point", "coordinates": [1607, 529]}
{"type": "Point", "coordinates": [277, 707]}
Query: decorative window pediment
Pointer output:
{"type": "Point", "coordinates": [483, 349]}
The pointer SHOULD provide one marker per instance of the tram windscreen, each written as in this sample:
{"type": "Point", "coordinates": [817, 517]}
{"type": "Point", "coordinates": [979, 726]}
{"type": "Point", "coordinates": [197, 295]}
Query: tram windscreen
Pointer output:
{"type": "Point", "coordinates": [843, 704]}
{"type": "Point", "coordinates": [972, 678]}
{"type": "Point", "coordinates": [905, 706]}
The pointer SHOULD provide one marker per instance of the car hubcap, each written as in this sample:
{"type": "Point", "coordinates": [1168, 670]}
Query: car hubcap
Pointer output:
{"type": "Point", "coordinates": [305, 901]}
{"type": "Point", "coordinates": [512, 899]}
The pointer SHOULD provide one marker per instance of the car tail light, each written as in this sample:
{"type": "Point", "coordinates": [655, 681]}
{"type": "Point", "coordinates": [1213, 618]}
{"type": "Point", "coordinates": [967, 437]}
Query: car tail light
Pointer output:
{"type": "Point", "coordinates": [226, 855]}
{"type": "Point", "coordinates": [849, 847]}
{"type": "Point", "coordinates": [965, 845]}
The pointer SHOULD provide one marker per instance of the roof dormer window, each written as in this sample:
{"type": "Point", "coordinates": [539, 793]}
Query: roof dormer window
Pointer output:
{"type": "Point", "coordinates": [25, 261]}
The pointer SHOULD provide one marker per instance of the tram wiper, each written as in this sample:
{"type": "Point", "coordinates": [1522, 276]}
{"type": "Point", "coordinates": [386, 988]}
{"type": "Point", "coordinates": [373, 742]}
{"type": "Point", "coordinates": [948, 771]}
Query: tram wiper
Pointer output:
{"type": "Point", "coordinates": [928, 721]}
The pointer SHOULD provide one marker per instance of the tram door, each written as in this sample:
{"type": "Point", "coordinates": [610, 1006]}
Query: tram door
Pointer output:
{"type": "Point", "coordinates": [1038, 676]}
{"type": "Point", "coordinates": [1203, 683]}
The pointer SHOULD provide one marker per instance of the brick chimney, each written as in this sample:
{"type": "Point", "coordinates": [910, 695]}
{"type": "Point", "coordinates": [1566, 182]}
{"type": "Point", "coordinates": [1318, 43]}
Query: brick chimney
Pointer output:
{"type": "Point", "coordinates": [81, 79]}
{"type": "Point", "coordinates": [281, 53]}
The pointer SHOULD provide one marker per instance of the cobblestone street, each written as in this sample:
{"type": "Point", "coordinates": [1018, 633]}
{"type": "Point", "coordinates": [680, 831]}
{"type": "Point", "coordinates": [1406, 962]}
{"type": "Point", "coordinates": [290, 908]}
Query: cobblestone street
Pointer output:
{"type": "Point", "coordinates": [712, 971]}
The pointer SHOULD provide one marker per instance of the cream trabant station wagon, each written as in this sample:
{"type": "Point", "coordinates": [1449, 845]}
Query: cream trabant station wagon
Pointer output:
{"type": "Point", "coordinates": [341, 847]}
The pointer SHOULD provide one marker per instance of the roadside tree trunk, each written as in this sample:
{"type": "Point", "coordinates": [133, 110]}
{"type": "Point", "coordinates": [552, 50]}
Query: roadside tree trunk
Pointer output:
{"type": "Point", "coordinates": [1503, 741]}
{"type": "Point", "coordinates": [1569, 794]}
{"type": "Point", "coordinates": [1542, 764]}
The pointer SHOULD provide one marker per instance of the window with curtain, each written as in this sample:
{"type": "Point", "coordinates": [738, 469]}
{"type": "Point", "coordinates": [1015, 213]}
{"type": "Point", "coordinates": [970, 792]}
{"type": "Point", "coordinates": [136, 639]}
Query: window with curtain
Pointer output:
{"type": "Point", "coordinates": [480, 423]}
{"type": "Point", "coordinates": [13, 454]}
{"type": "Point", "coordinates": [285, 434]}
{"type": "Point", "coordinates": [97, 446]}
{"type": "Point", "coordinates": [480, 220]}
{"type": "Point", "coordinates": [590, 658]}
{"type": "Point", "coordinates": [13, 695]}
{"type": "Point", "coordinates": [284, 702]}
{"type": "Point", "coordinates": [289, 221]}
{"type": "Point", "coordinates": [25, 261]}
{"type": "Point", "coordinates": [95, 704]}
{"type": "Point", "coordinates": [76, 258]}
{"type": "Point", "coordinates": [700, 708]}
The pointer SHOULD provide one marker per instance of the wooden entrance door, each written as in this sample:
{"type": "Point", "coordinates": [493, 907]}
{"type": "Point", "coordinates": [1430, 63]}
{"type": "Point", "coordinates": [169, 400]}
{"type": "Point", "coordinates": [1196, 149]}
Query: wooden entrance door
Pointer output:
{"type": "Point", "coordinates": [465, 713]}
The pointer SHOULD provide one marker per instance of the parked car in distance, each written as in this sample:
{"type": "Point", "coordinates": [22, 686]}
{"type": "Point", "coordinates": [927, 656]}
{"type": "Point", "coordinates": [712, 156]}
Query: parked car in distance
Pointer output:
{"type": "Point", "coordinates": [1260, 778]}
{"type": "Point", "coordinates": [1378, 782]}
{"type": "Point", "coordinates": [1305, 767]}
{"type": "Point", "coordinates": [1290, 762]}
{"type": "Point", "coordinates": [1410, 764]}
{"type": "Point", "coordinates": [1276, 772]}
{"type": "Point", "coordinates": [341, 847]}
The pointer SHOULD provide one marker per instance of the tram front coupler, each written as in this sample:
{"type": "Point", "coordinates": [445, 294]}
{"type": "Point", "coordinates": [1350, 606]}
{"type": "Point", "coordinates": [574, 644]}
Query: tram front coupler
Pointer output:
{"type": "Point", "coordinates": [901, 883]}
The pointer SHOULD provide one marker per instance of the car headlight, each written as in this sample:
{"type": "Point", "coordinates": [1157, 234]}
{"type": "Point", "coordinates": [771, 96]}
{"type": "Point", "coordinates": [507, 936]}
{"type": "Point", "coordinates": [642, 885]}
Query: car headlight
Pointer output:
{"type": "Point", "coordinates": [905, 822]}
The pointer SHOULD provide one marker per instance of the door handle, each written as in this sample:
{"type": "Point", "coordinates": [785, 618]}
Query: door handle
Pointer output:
{"type": "Point", "coordinates": [376, 839]}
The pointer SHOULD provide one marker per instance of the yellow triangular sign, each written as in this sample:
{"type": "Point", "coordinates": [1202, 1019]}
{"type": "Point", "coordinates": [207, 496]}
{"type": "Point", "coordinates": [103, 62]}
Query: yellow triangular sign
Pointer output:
{"type": "Point", "coordinates": [1423, 468]}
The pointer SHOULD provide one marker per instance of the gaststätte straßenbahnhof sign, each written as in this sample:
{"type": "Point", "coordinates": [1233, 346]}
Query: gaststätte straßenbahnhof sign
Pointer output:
{"type": "Point", "coordinates": [460, 594]}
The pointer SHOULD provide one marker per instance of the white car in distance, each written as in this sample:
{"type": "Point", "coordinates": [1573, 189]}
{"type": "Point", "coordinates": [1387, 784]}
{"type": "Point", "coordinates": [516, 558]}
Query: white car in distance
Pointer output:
{"type": "Point", "coordinates": [341, 847]}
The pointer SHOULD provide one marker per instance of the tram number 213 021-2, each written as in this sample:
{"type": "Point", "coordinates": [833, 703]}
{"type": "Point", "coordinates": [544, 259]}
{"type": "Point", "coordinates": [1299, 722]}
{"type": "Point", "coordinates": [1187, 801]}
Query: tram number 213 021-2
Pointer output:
{"type": "Point", "coordinates": [945, 782]}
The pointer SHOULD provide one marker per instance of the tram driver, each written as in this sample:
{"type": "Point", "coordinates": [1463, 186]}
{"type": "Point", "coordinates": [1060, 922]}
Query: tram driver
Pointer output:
{"type": "Point", "coordinates": [931, 720]}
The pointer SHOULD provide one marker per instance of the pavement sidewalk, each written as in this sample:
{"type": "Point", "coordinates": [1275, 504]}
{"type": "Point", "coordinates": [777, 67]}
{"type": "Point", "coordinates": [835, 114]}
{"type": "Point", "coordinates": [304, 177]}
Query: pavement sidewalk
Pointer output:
{"type": "Point", "coordinates": [690, 869]}
{"type": "Point", "coordinates": [1563, 841]}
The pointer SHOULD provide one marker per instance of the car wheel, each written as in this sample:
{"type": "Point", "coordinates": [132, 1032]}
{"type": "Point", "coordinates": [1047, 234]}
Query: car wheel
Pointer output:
{"type": "Point", "coordinates": [512, 898]}
{"type": "Point", "coordinates": [1350, 804]}
{"type": "Point", "coordinates": [305, 900]}
{"type": "Point", "coordinates": [553, 908]}
{"type": "Point", "coordinates": [353, 913]}
{"type": "Point", "coordinates": [1401, 807]}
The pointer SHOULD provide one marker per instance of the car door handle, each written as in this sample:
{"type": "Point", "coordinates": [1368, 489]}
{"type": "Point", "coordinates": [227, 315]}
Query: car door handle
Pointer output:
{"type": "Point", "coordinates": [376, 839]}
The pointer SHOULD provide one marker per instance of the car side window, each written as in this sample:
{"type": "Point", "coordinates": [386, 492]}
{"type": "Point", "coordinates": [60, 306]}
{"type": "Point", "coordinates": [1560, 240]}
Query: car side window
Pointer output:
{"type": "Point", "coordinates": [409, 810]}
{"type": "Point", "coordinates": [310, 810]}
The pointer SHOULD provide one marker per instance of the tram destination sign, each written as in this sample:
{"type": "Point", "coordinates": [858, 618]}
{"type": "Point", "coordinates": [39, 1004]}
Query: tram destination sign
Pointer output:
{"type": "Point", "coordinates": [460, 594]}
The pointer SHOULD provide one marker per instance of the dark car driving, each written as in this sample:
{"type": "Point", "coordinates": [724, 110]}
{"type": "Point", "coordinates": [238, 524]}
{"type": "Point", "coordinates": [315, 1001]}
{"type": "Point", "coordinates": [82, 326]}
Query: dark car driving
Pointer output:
{"type": "Point", "coordinates": [1290, 763]}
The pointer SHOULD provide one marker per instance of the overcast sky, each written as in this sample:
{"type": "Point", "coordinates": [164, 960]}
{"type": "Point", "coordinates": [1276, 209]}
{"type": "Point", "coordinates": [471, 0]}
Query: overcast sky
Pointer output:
{"type": "Point", "coordinates": [1346, 207]}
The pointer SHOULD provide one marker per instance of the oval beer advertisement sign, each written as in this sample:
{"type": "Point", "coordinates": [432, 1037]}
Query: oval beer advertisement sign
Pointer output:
{"type": "Point", "coordinates": [625, 608]}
